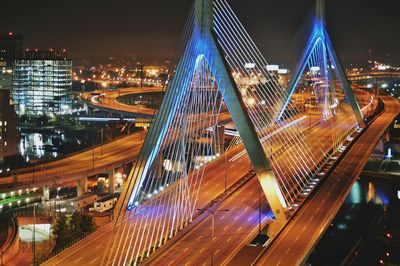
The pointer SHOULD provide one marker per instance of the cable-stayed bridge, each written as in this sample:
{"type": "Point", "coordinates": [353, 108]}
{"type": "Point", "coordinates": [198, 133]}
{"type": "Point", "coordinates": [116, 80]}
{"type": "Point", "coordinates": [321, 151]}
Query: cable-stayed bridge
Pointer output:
{"type": "Point", "coordinates": [220, 74]}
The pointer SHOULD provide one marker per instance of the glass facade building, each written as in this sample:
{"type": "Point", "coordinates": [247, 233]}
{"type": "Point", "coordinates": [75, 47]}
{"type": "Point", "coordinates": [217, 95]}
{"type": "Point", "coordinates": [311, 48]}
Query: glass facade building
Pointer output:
{"type": "Point", "coordinates": [42, 83]}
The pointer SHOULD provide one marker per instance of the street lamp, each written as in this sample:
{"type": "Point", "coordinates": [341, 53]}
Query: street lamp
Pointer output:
{"type": "Point", "coordinates": [33, 234]}
{"type": "Point", "coordinates": [213, 230]}
{"type": "Point", "coordinates": [226, 170]}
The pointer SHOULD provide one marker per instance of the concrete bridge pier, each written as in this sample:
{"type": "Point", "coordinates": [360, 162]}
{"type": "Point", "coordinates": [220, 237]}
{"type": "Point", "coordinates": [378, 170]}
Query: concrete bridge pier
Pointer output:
{"type": "Point", "coordinates": [81, 186]}
{"type": "Point", "coordinates": [46, 194]}
{"type": "Point", "coordinates": [380, 147]}
{"type": "Point", "coordinates": [221, 139]}
{"type": "Point", "coordinates": [111, 181]}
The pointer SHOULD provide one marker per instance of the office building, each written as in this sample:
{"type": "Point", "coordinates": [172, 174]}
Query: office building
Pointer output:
{"type": "Point", "coordinates": [42, 82]}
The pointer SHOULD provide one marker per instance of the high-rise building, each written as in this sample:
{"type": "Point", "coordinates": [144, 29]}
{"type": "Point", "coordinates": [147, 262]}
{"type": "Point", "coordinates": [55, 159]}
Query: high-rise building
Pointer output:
{"type": "Point", "coordinates": [8, 120]}
{"type": "Point", "coordinates": [10, 47]}
{"type": "Point", "coordinates": [42, 82]}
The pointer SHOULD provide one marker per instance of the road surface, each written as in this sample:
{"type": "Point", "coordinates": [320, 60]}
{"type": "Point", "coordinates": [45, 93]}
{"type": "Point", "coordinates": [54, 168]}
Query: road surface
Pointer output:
{"type": "Point", "coordinates": [108, 100]}
{"type": "Point", "coordinates": [87, 251]}
{"type": "Point", "coordinates": [299, 237]}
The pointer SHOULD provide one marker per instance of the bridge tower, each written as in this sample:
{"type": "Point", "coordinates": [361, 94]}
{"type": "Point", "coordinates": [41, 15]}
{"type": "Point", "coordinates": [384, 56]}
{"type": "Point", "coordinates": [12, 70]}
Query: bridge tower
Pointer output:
{"type": "Point", "coordinates": [318, 34]}
{"type": "Point", "coordinates": [207, 49]}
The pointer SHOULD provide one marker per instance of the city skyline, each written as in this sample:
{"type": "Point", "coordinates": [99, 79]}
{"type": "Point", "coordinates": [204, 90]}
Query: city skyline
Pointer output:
{"type": "Point", "coordinates": [120, 29]}
{"type": "Point", "coordinates": [272, 137]}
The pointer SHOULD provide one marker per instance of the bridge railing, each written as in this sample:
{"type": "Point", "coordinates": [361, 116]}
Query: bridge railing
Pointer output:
{"type": "Point", "coordinates": [57, 251]}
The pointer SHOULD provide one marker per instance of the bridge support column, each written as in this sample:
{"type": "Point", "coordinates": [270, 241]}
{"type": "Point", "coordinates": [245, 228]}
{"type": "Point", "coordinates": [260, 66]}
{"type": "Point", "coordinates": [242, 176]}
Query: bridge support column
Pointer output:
{"type": "Point", "coordinates": [221, 139]}
{"type": "Point", "coordinates": [111, 181]}
{"type": "Point", "coordinates": [380, 147]}
{"type": "Point", "coordinates": [81, 186]}
{"type": "Point", "coordinates": [46, 194]}
{"type": "Point", "coordinates": [270, 188]}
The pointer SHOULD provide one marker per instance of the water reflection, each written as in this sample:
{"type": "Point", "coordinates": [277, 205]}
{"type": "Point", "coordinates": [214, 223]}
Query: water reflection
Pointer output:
{"type": "Point", "coordinates": [49, 145]}
{"type": "Point", "coordinates": [364, 191]}
{"type": "Point", "coordinates": [37, 146]}
{"type": "Point", "coordinates": [371, 192]}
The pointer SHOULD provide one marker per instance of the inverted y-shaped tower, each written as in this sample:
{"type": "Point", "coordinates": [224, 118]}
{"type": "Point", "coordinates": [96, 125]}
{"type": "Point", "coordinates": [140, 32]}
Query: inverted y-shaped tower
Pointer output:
{"type": "Point", "coordinates": [158, 199]}
{"type": "Point", "coordinates": [319, 34]}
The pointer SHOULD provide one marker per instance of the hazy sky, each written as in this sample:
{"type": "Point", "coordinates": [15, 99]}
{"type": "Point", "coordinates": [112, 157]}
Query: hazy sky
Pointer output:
{"type": "Point", "coordinates": [152, 27]}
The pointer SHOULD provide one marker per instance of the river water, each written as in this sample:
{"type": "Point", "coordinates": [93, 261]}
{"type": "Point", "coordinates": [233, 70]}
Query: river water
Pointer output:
{"type": "Point", "coordinates": [366, 231]}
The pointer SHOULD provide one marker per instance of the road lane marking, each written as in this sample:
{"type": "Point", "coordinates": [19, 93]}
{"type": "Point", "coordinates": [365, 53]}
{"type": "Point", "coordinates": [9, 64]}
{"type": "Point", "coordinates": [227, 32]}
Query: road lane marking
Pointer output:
{"type": "Point", "coordinates": [297, 238]}
{"type": "Point", "coordinates": [287, 251]}
{"type": "Point", "coordinates": [93, 261]}
{"type": "Point", "coordinates": [99, 246]}
{"type": "Point", "coordinates": [80, 258]}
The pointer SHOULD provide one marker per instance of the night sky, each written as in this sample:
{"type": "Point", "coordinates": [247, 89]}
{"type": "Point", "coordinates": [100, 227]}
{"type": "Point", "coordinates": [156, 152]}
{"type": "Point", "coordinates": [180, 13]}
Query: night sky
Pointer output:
{"type": "Point", "coordinates": [153, 27]}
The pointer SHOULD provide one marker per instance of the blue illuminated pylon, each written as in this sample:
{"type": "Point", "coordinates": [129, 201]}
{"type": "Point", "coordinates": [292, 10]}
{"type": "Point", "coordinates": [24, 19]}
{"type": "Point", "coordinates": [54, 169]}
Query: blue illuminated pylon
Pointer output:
{"type": "Point", "coordinates": [319, 34]}
{"type": "Point", "coordinates": [202, 45]}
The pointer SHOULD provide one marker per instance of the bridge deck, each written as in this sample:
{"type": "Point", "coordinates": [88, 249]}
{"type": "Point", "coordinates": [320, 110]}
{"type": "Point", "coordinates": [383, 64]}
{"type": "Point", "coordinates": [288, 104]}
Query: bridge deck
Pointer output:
{"type": "Point", "coordinates": [302, 233]}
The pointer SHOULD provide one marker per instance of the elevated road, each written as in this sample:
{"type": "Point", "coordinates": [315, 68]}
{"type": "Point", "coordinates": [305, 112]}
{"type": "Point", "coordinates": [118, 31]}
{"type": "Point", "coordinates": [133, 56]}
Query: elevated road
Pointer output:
{"type": "Point", "coordinates": [91, 249]}
{"type": "Point", "coordinates": [90, 161]}
{"type": "Point", "coordinates": [82, 164]}
{"type": "Point", "coordinates": [235, 227]}
{"type": "Point", "coordinates": [108, 100]}
{"type": "Point", "coordinates": [373, 75]}
{"type": "Point", "coordinates": [293, 245]}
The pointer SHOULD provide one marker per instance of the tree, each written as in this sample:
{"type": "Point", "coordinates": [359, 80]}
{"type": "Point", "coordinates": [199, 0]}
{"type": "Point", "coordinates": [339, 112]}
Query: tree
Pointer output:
{"type": "Point", "coordinates": [61, 231]}
{"type": "Point", "coordinates": [71, 228]}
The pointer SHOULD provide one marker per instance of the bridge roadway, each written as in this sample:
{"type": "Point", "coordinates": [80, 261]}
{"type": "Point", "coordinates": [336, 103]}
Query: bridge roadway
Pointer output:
{"type": "Point", "coordinates": [239, 223]}
{"type": "Point", "coordinates": [235, 228]}
{"type": "Point", "coordinates": [91, 249]}
{"type": "Point", "coordinates": [373, 75]}
{"type": "Point", "coordinates": [78, 165]}
{"type": "Point", "coordinates": [108, 100]}
{"type": "Point", "coordinates": [298, 238]}
{"type": "Point", "coordinates": [85, 163]}
{"type": "Point", "coordinates": [90, 161]}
